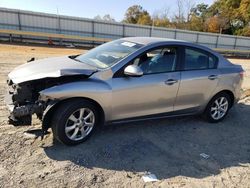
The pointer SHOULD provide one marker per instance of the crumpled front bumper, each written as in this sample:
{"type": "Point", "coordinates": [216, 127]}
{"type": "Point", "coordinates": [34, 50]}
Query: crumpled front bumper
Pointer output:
{"type": "Point", "coordinates": [18, 115]}
{"type": "Point", "coordinates": [21, 114]}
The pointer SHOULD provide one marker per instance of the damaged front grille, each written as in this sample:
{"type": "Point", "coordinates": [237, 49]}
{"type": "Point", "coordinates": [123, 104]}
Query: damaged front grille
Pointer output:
{"type": "Point", "coordinates": [22, 104]}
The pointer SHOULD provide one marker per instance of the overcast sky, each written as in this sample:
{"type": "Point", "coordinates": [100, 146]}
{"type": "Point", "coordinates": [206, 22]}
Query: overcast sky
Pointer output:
{"type": "Point", "coordinates": [92, 8]}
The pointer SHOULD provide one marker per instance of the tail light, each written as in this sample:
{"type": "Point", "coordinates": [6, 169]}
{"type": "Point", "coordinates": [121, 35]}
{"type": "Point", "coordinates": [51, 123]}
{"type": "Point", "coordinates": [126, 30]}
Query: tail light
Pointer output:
{"type": "Point", "coordinates": [242, 74]}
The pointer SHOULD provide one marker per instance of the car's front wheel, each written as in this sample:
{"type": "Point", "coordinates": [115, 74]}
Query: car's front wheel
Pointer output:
{"type": "Point", "coordinates": [218, 107]}
{"type": "Point", "coordinates": [74, 121]}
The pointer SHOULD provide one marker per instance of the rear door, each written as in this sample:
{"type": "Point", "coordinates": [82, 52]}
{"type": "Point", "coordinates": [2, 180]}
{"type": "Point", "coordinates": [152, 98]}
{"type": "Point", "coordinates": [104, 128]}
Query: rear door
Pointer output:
{"type": "Point", "coordinates": [199, 77]}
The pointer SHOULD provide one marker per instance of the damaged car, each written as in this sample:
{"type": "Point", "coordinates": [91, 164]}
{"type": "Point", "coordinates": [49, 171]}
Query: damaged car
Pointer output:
{"type": "Point", "coordinates": [126, 80]}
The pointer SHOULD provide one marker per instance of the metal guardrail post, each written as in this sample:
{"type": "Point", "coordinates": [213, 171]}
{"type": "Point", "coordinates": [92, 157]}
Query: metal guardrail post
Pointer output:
{"type": "Point", "coordinates": [235, 42]}
{"type": "Point", "coordinates": [123, 30]}
{"type": "Point", "coordinates": [175, 34]}
{"type": "Point", "coordinates": [217, 41]}
{"type": "Point", "coordinates": [19, 24]}
{"type": "Point", "coordinates": [93, 32]}
{"type": "Point", "coordinates": [59, 29]}
{"type": "Point", "coordinates": [10, 38]}
{"type": "Point", "coordinates": [197, 38]}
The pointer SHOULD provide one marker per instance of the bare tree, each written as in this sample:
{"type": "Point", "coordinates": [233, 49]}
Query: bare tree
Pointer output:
{"type": "Point", "coordinates": [189, 5]}
{"type": "Point", "coordinates": [162, 13]}
{"type": "Point", "coordinates": [180, 16]}
{"type": "Point", "coordinates": [183, 15]}
{"type": "Point", "coordinates": [106, 17]}
{"type": "Point", "coordinates": [160, 17]}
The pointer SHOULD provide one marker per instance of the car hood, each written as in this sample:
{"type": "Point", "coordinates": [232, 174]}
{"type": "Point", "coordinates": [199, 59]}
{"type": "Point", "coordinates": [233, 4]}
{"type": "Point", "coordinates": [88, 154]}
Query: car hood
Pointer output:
{"type": "Point", "coordinates": [50, 68]}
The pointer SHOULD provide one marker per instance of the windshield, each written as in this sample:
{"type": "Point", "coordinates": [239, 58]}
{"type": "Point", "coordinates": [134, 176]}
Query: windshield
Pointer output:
{"type": "Point", "coordinates": [108, 54]}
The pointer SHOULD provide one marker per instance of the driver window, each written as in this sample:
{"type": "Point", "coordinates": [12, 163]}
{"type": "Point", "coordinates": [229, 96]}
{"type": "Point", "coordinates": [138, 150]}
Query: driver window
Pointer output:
{"type": "Point", "coordinates": [157, 61]}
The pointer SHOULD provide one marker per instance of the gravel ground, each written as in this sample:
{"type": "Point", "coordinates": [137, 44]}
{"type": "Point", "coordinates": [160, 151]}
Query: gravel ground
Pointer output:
{"type": "Point", "coordinates": [118, 156]}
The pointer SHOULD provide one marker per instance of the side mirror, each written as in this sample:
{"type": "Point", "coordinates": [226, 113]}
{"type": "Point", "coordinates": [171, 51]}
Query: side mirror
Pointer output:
{"type": "Point", "coordinates": [133, 70]}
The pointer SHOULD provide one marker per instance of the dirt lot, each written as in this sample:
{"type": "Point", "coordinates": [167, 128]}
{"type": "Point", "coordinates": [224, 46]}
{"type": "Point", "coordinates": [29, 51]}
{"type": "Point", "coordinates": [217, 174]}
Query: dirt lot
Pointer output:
{"type": "Point", "coordinates": [118, 156]}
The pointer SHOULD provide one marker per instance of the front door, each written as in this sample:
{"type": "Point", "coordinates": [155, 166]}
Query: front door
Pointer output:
{"type": "Point", "coordinates": [154, 92]}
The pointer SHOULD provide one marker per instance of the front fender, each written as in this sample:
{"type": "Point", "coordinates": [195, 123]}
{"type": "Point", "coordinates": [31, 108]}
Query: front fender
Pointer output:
{"type": "Point", "coordinates": [96, 90]}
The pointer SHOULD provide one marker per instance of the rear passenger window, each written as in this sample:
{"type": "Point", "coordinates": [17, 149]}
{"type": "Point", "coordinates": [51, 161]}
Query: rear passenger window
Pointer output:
{"type": "Point", "coordinates": [197, 60]}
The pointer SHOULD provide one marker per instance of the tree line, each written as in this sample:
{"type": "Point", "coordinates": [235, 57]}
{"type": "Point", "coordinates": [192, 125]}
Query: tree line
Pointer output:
{"type": "Point", "coordinates": [223, 16]}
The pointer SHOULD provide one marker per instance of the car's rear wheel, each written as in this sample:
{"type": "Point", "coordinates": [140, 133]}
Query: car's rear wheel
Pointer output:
{"type": "Point", "coordinates": [218, 108]}
{"type": "Point", "coordinates": [74, 121]}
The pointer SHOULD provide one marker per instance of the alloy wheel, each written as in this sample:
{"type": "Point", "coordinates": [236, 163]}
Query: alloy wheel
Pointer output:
{"type": "Point", "coordinates": [219, 108]}
{"type": "Point", "coordinates": [79, 124]}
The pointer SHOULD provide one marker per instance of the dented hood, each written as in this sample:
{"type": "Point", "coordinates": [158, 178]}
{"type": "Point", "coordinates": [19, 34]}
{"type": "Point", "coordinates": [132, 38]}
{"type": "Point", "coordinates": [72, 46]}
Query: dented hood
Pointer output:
{"type": "Point", "coordinates": [50, 68]}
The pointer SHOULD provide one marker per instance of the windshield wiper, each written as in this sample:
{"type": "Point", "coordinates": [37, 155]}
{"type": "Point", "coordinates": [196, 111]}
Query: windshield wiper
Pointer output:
{"type": "Point", "coordinates": [74, 57]}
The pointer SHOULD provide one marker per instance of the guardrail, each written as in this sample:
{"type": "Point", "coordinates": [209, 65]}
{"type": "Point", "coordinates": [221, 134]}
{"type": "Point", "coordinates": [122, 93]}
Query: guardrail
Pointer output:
{"type": "Point", "coordinates": [49, 36]}
{"type": "Point", "coordinates": [233, 52]}
{"type": "Point", "coordinates": [21, 20]}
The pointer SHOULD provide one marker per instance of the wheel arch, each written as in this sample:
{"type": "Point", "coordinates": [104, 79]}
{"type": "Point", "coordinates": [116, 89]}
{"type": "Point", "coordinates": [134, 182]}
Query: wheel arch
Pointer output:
{"type": "Point", "coordinates": [53, 106]}
{"type": "Point", "coordinates": [230, 93]}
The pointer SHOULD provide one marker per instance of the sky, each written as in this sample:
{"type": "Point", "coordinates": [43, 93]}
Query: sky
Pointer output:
{"type": "Point", "coordinates": [92, 8]}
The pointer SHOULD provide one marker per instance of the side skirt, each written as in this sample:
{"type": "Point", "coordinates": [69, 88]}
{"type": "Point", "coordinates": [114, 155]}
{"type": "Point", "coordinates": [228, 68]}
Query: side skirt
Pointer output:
{"type": "Point", "coordinates": [189, 112]}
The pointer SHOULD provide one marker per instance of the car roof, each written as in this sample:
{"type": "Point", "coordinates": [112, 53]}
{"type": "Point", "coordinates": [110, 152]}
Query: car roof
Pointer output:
{"type": "Point", "coordinates": [154, 40]}
{"type": "Point", "coordinates": [149, 40]}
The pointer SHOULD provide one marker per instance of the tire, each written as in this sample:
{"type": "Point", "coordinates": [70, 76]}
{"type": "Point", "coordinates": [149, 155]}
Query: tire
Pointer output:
{"type": "Point", "coordinates": [75, 121]}
{"type": "Point", "coordinates": [218, 107]}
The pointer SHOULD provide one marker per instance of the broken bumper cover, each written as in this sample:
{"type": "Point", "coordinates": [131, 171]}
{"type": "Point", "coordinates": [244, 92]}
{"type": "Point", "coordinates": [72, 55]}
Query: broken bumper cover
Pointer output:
{"type": "Point", "coordinates": [21, 114]}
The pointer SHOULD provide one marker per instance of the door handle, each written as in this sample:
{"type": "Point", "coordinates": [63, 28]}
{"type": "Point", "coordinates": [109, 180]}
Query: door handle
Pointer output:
{"type": "Point", "coordinates": [170, 82]}
{"type": "Point", "coordinates": [212, 77]}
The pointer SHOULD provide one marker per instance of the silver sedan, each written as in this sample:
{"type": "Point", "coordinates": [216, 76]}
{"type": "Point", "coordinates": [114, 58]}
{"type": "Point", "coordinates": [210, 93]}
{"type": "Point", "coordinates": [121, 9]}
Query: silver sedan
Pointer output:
{"type": "Point", "coordinates": [129, 79]}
